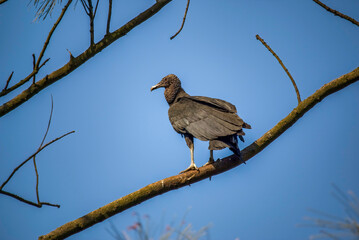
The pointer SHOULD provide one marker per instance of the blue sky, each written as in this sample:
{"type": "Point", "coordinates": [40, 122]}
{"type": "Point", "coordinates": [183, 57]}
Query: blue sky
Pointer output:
{"type": "Point", "coordinates": [124, 140]}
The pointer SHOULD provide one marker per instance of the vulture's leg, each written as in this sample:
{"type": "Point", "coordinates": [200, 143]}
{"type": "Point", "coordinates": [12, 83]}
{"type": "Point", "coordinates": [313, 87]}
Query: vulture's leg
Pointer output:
{"type": "Point", "coordinates": [189, 141]}
{"type": "Point", "coordinates": [211, 159]}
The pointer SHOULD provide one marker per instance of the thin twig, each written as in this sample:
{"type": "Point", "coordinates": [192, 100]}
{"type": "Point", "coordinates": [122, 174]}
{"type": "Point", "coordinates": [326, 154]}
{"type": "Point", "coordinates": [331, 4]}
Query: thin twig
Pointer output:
{"type": "Point", "coordinates": [39, 205]}
{"type": "Point", "coordinates": [91, 16]}
{"type": "Point", "coordinates": [50, 34]}
{"type": "Point", "coordinates": [178, 181]}
{"type": "Point", "coordinates": [84, 4]}
{"type": "Point", "coordinates": [109, 17]}
{"type": "Point", "coordinates": [37, 180]}
{"type": "Point", "coordinates": [94, 15]}
{"type": "Point", "coordinates": [8, 81]}
{"type": "Point", "coordinates": [42, 142]}
{"type": "Point", "coordinates": [184, 19]}
{"type": "Point", "coordinates": [34, 154]}
{"type": "Point", "coordinates": [34, 72]}
{"type": "Point", "coordinates": [281, 63]}
{"type": "Point", "coordinates": [76, 62]}
{"type": "Point", "coordinates": [43, 64]}
{"type": "Point", "coordinates": [33, 67]}
{"type": "Point", "coordinates": [337, 13]}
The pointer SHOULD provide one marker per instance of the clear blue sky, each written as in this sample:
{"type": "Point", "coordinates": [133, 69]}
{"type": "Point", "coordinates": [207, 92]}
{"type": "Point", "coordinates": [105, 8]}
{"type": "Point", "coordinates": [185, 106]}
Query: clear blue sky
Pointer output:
{"type": "Point", "coordinates": [124, 140]}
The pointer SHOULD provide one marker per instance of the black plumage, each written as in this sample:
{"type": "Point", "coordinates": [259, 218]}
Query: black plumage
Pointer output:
{"type": "Point", "coordinates": [207, 119]}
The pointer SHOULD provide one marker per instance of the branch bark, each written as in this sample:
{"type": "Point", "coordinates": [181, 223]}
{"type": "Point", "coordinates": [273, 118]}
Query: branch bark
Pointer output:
{"type": "Point", "coordinates": [36, 66]}
{"type": "Point", "coordinates": [184, 19]}
{"type": "Point", "coordinates": [282, 64]}
{"type": "Point", "coordinates": [337, 13]}
{"type": "Point", "coordinates": [76, 62]}
{"type": "Point", "coordinates": [204, 172]}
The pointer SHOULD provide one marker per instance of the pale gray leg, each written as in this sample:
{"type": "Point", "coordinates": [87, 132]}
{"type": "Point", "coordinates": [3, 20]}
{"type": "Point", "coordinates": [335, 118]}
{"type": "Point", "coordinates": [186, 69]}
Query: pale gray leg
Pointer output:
{"type": "Point", "coordinates": [189, 141]}
{"type": "Point", "coordinates": [211, 159]}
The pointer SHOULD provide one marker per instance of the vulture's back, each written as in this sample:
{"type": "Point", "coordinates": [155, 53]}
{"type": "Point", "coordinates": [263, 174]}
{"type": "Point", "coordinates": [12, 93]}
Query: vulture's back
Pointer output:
{"type": "Point", "coordinates": [204, 118]}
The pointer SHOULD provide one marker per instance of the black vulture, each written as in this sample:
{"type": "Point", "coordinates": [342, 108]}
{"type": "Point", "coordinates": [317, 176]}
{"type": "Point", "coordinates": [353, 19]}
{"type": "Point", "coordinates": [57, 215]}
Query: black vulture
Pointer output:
{"type": "Point", "coordinates": [207, 119]}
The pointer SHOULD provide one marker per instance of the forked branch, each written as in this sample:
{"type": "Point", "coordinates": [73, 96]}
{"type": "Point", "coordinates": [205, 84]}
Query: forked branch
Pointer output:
{"type": "Point", "coordinates": [191, 177]}
{"type": "Point", "coordinates": [37, 66]}
{"type": "Point", "coordinates": [281, 63]}
{"type": "Point", "coordinates": [33, 156]}
{"type": "Point", "coordinates": [337, 13]}
{"type": "Point", "coordinates": [76, 62]}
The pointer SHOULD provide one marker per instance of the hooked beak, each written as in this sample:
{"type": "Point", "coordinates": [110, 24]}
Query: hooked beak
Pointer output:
{"type": "Point", "coordinates": [155, 87]}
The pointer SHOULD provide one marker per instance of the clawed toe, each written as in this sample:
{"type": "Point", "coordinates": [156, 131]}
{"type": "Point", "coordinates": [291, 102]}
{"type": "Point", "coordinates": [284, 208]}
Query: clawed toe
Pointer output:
{"type": "Point", "coordinates": [192, 167]}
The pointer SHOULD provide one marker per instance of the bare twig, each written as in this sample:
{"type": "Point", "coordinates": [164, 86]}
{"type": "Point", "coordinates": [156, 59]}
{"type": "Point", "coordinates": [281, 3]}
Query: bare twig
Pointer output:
{"type": "Point", "coordinates": [43, 64]}
{"type": "Point", "coordinates": [281, 63]}
{"type": "Point", "coordinates": [33, 67]}
{"type": "Point", "coordinates": [37, 180]}
{"type": "Point", "coordinates": [88, 7]}
{"type": "Point", "coordinates": [27, 201]}
{"type": "Point", "coordinates": [190, 177]}
{"type": "Point", "coordinates": [94, 15]}
{"type": "Point", "coordinates": [109, 16]}
{"type": "Point", "coordinates": [42, 142]}
{"type": "Point", "coordinates": [335, 12]}
{"type": "Point", "coordinates": [34, 154]}
{"type": "Point", "coordinates": [76, 62]}
{"type": "Point", "coordinates": [184, 19]}
{"type": "Point", "coordinates": [50, 34]}
{"type": "Point", "coordinates": [37, 67]}
{"type": "Point", "coordinates": [8, 81]}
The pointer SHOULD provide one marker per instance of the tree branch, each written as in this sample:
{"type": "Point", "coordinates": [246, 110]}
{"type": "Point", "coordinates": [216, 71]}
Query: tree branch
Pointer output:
{"type": "Point", "coordinates": [39, 205]}
{"type": "Point", "coordinates": [51, 32]}
{"type": "Point", "coordinates": [184, 19]}
{"type": "Point", "coordinates": [75, 62]}
{"type": "Point", "coordinates": [2, 1]}
{"type": "Point", "coordinates": [281, 63]}
{"type": "Point", "coordinates": [34, 154]}
{"type": "Point", "coordinates": [109, 17]}
{"type": "Point", "coordinates": [204, 172]}
{"type": "Point", "coordinates": [8, 81]}
{"type": "Point", "coordinates": [335, 12]}
{"type": "Point", "coordinates": [37, 67]}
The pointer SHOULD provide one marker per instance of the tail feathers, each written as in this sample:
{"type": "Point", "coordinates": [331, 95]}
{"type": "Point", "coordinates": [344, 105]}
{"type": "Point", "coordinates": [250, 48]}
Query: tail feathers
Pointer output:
{"type": "Point", "coordinates": [246, 125]}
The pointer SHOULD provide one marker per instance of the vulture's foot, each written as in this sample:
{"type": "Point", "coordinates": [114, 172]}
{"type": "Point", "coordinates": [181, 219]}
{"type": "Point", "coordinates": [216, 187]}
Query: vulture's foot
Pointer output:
{"type": "Point", "coordinates": [210, 161]}
{"type": "Point", "coordinates": [191, 167]}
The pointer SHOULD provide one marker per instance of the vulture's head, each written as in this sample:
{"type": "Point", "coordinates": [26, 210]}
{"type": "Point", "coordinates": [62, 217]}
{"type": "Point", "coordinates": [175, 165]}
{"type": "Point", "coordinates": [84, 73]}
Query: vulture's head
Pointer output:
{"type": "Point", "coordinates": [172, 86]}
{"type": "Point", "coordinates": [170, 80]}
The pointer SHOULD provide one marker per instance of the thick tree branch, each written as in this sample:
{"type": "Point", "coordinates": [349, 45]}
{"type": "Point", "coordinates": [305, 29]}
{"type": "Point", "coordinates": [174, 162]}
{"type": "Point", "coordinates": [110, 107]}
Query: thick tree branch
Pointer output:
{"type": "Point", "coordinates": [36, 66]}
{"type": "Point", "coordinates": [335, 12]}
{"type": "Point", "coordinates": [281, 63]}
{"type": "Point", "coordinates": [2, 1]}
{"type": "Point", "coordinates": [76, 62]}
{"type": "Point", "coordinates": [184, 19]}
{"type": "Point", "coordinates": [191, 177]}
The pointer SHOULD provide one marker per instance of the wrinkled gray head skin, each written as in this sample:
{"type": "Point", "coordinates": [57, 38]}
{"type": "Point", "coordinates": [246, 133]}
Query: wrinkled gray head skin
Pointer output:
{"type": "Point", "coordinates": [172, 86]}
{"type": "Point", "coordinates": [167, 81]}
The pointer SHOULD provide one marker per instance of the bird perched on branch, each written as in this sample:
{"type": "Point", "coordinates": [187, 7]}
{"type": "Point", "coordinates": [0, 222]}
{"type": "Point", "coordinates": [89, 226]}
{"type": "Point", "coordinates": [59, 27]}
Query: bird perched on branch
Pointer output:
{"type": "Point", "coordinates": [207, 119]}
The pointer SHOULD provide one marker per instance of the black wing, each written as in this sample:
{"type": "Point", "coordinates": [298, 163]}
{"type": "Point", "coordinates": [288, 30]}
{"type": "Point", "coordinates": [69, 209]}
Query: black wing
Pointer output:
{"type": "Point", "coordinates": [204, 118]}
